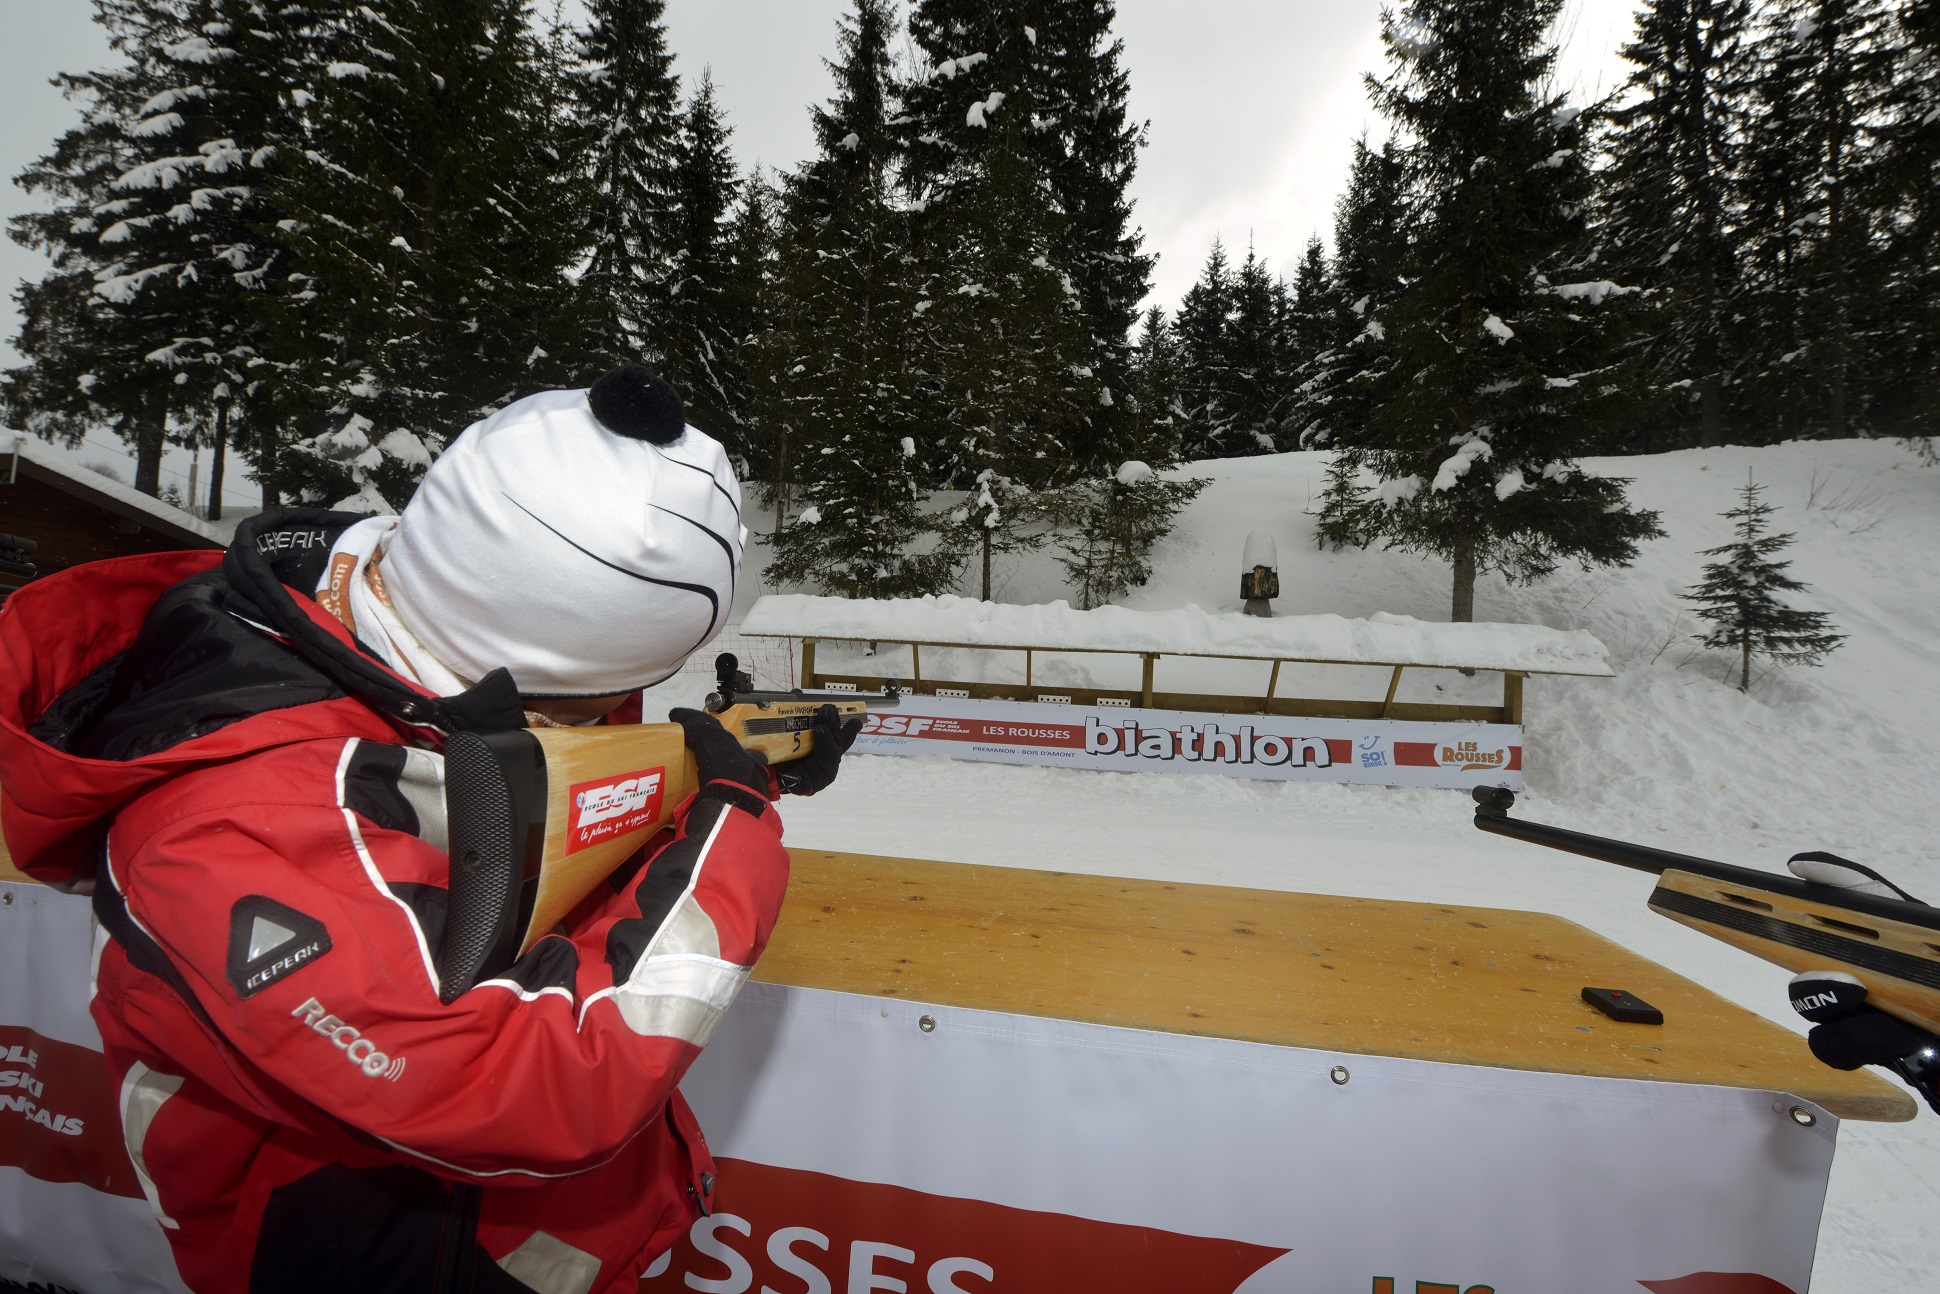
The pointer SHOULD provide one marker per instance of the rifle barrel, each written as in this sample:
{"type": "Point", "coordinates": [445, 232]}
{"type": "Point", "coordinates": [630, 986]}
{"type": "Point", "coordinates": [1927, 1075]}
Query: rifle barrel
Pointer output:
{"type": "Point", "coordinates": [1643, 858]}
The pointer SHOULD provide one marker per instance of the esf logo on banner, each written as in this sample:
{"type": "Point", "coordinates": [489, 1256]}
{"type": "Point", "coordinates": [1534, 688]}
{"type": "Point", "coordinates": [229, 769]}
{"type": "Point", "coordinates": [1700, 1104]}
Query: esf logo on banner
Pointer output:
{"type": "Point", "coordinates": [1268, 747]}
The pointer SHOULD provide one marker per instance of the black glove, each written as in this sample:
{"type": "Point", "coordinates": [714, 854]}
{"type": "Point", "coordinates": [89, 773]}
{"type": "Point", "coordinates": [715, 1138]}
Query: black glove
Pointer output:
{"type": "Point", "coordinates": [1847, 1033]}
{"type": "Point", "coordinates": [814, 771]}
{"type": "Point", "coordinates": [728, 771]}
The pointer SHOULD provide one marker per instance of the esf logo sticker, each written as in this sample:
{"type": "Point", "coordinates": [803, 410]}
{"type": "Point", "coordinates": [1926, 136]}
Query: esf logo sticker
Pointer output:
{"type": "Point", "coordinates": [895, 725]}
{"type": "Point", "coordinates": [613, 806]}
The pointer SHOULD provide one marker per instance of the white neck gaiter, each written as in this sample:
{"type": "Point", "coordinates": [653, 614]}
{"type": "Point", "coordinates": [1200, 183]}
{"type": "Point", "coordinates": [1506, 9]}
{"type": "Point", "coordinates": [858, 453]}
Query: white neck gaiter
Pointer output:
{"type": "Point", "coordinates": [345, 589]}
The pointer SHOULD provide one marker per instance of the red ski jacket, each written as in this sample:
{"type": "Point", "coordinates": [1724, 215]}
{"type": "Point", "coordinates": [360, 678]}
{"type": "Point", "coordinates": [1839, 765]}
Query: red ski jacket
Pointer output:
{"type": "Point", "coordinates": [258, 808]}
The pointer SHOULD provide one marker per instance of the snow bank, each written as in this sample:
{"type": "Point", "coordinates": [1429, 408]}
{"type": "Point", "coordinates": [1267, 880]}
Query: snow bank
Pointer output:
{"type": "Point", "coordinates": [1380, 639]}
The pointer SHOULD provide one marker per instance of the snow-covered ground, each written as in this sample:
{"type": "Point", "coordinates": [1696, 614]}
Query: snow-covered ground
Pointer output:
{"type": "Point", "coordinates": [1842, 757]}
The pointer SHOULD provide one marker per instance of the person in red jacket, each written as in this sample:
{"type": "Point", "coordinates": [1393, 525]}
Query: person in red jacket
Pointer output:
{"type": "Point", "coordinates": [240, 754]}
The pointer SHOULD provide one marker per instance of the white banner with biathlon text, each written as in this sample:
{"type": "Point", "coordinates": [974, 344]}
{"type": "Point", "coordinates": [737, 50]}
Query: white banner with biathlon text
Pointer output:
{"type": "Point", "coordinates": [872, 1144]}
{"type": "Point", "coordinates": [1371, 752]}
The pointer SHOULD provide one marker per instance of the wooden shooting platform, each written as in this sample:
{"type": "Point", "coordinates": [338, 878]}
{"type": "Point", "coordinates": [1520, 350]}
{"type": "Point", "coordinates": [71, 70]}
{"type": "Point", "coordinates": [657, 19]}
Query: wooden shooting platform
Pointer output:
{"type": "Point", "coordinates": [1467, 986]}
{"type": "Point", "coordinates": [1470, 986]}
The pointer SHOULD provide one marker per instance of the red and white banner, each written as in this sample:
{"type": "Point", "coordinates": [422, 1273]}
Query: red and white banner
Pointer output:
{"type": "Point", "coordinates": [1371, 752]}
{"type": "Point", "coordinates": [868, 1144]}
{"type": "Point", "coordinates": [872, 1144]}
{"type": "Point", "coordinates": [72, 1213]}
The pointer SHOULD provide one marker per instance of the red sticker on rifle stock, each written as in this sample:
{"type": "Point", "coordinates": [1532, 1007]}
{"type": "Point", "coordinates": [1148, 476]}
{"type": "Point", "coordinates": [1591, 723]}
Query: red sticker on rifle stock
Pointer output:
{"type": "Point", "coordinates": [613, 807]}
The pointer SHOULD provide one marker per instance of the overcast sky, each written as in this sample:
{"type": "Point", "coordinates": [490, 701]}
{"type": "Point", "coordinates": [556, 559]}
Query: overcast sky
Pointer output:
{"type": "Point", "coordinates": [1253, 105]}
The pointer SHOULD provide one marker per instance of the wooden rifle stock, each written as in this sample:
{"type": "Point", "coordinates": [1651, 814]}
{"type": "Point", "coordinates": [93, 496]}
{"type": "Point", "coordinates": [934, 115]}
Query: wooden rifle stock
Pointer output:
{"type": "Point", "coordinates": [539, 817]}
{"type": "Point", "coordinates": [1891, 945]}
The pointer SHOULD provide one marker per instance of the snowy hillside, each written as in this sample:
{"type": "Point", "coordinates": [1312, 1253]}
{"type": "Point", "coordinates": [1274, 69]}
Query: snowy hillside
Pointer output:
{"type": "Point", "coordinates": [1842, 757]}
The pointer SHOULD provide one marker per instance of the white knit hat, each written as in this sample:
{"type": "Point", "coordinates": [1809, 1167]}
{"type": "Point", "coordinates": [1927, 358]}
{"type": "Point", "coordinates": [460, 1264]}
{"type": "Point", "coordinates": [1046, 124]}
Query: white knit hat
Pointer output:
{"type": "Point", "coordinates": [589, 555]}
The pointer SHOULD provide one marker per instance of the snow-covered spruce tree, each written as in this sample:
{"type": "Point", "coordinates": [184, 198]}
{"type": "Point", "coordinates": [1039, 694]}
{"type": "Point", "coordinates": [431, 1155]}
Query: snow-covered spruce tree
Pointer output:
{"type": "Point", "coordinates": [1810, 233]}
{"type": "Point", "coordinates": [833, 386]}
{"type": "Point", "coordinates": [701, 349]}
{"type": "Point", "coordinates": [1090, 148]}
{"type": "Point", "coordinates": [1739, 596]}
{"type": "Point", "coordinates": [1049, 73]}
{"type": "Point", "coordinates": [1157, 370]}
{"type": "Point", "coordinates": [1258, 357]}
{"type": "Point", "coordinates": [1337, 387]}
{"type": "Point", "coordinates": [146, 190]}
{"type": "Point", "coordinates": [1668, 197]}
{"type": "Point", "coordinates": [426, 239]}
{"type": "Point", "coordinates": [626, 125]}
{"type": "Point", "coordinates": [1906, 187]}
{"type": "Point", "coordinates": [749, 304]}
{"type": "Point", "coordinates": [1010, 341]}
{"type": "Point", "coordinates": [1205, 314]}
{"type": "Point", "coordinates": [1507, 355]}
{"type": "Point", "coordinates": [1108, 525]}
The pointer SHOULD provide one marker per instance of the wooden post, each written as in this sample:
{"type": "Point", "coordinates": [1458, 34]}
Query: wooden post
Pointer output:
{"type": "Point", "coordinates": [1027, 667]}
{"type": "Point", "coordinates": [1145, 691]}
{"type": "Point", "coordinates": [1272, 682]}
{"type": "Point", "coordinates": [808, 663]}
{"type": "Point", "coordinates": [1511, 697]}
{"type": "Point", "coordinates": [1394, 685]}
{"type": "Point", "coordinates": [915, 663]}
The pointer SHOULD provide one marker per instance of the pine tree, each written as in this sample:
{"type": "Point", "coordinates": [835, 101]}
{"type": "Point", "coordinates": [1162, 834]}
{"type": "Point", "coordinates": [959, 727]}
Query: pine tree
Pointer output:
{"type": "Point", "coordinates": [627, 123]}
{"type": "Point", "coordinates": [1205, 313]}
{"type": "Point", "coordinates": [835, 390]}
{"type": "Point", "coordinates": [95, 328]}
{"type": "Point", "coordinates": [1089, 147]}
{"type": "Point", "coordinates": [1506, 352]}
{"type": "Point", "coordinates": [425, 241]}
{"type": "Point", "coordinates": [1109, 524]}
{"type": "Point", "coordinates": [1739, 596]}
{"type": "Point", "coordinates": [1370, 252]}
{"type": "Point", "coordinates": [749, 303]}
{"type": "Point", "coordinates": [1257, 358]}
{"type": "Point", "coordinates": [1156, 376]}
{"type": "Point", "coordinates": [1010, 338]}
{"type": "Point", "coordinates": [1046, 75]}
{"type": "Point", "coordinates": [1669, 191]}
{"type": "Point", "coordinates": [1906, 188]}
{"type": "Point", "coordinates": [1823, 71]}
{"type": "Point", "coordinates": [698, 341]}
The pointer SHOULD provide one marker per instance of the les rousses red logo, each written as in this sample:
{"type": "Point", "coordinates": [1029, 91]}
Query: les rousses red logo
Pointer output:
{"type": "Point", "coordinates": [612, 806]}
{"type": "Point", "coordinates": [799, 1231]}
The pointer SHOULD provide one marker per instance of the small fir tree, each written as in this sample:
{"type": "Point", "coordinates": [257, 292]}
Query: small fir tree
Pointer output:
{"type": "Point", "coordinates": [1108, 526]}
{"type": "Point", "coordinates": [1739, 596]}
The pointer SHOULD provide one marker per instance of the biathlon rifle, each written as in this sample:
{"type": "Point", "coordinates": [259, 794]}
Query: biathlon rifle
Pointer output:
{"type": "Point", "coordinates": [1850, 950]}
{"type": "Point", "coordinates": [537, 817]}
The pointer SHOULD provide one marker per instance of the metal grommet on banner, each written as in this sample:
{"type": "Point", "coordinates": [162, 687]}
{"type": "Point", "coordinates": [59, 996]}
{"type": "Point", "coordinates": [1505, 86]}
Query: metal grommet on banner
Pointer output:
{"type": "Point", "coordinates": [7, 898]}
{"type": "Point", "coordinates": [927, 1024]}
{"type": "Point", "coordinates": [1338, 1073]}
{"type": "Point", "coordinates": [1803, 1117]}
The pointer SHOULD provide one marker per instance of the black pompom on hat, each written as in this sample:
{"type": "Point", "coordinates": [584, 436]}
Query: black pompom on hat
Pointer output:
{"type": "Point", "coordinates": [636, 402]}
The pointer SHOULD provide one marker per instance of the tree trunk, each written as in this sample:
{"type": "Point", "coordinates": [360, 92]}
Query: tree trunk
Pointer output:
{"type": "Point", "coordinates": [1463, 610]}
{"type": "Point", "coordinates": [781, 483]}
{"type": "Point", "coordinates": [215, 464]}
{"type": "Point", "coordinates": [986, 563]}
{"type": "Point", "coordinates": [266, 468]}
{"type": "Point", "coordinates": [151, 430]}
{"type": "Point", "coordinates": [1744, 667]}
